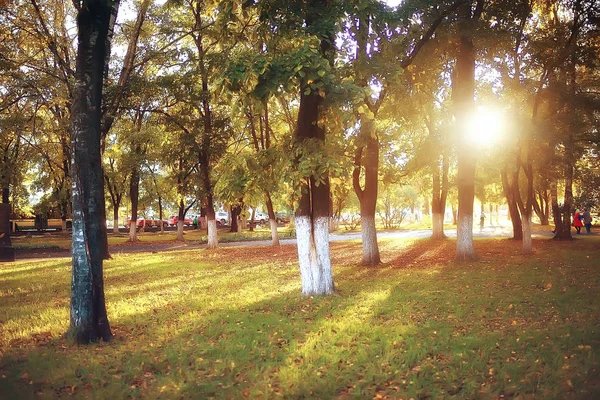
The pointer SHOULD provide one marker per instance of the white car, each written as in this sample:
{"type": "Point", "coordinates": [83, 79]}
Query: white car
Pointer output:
{"type": "Point", "coordinates": [261, 217]}
{"type": "Point", "coordinates": [222, 217]}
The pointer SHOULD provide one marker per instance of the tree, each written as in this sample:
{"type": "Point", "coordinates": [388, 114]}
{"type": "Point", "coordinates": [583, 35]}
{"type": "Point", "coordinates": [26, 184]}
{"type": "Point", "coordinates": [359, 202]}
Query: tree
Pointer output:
{"type": "Point", "coordinates": [89, 320]}
{"type": "Point", "coordinates": [463, 91]}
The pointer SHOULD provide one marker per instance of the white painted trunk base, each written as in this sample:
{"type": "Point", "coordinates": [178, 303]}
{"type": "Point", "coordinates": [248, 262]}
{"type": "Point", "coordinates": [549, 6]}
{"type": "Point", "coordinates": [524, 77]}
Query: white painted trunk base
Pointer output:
{"type": "Point", "coordinates": [213, 239]}
{"type": "Point", "coordinates": [180, 231]}
{"type": "Point", "coordinates": [464, 238]}
{"type": "Point", "coordinates": [313, 255]}
{"type": "Point", "coordinates": [116, 226]}
{"type": "Point", "coordinates": [437, 224]}
{"type": "Point", "coordinates": [274, 233]}
{"type": "Point", "coordinates": [526, 229]}
{"type": "Point", "coordinates": [369, 241]}
{"type": "Point", "coordinates": [133, 231]}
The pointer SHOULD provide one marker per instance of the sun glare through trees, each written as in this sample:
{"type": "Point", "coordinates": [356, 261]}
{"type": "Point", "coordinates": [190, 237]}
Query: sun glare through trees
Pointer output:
{"type": "Point", "coordinates": [487, 127]}
{"type": "Point", "coordinates": [299, 199]}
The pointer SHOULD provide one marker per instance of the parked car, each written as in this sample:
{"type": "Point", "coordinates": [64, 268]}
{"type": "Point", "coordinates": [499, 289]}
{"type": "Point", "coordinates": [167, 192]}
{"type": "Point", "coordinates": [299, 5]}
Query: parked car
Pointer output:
{"type": "Point", "coordinates": [173, 219]}
{"type": "Point", "coordinates": [155, 223]}
{"type": "Point", "coordinates": [283, 217]}
{"type": "Point", "coordinates": [260, 217]}
{"type": "Point", "coordinates": [222, 217]}
{"type": "Point", "coordinates": [141, 222]}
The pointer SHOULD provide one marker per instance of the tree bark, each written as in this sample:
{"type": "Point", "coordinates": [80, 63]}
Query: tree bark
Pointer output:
{"type": "Point", "coordinates": [235, 212]}
{"type": "Point", "coordinates": [89, 320]}
{"type": "Point", "coordinates": [368, 196]}
{"type": "Point", "coordinates": [439, 195]}
{"type": "Point", "coordinates": [134, 193]}
{"type": "Point", "coordinates": [180, 220]}
{"type": "Point", "coordinates": [511, 191]}
{"type": "Point", "coordinates": [116, 218]}
{"type": "Point", "coordinates": [272, 219]}
{"type": "Point", "coordinates": [312, 214]}
{"type": "Point", "coordinates": [213, 239]}
{"type": "Point", "coordinates": [463, 90]}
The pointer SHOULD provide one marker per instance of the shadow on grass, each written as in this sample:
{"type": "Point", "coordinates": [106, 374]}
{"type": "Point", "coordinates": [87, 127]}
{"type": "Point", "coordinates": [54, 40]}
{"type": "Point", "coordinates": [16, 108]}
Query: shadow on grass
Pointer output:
{"type": "Point", "coordinates": [234, 329]}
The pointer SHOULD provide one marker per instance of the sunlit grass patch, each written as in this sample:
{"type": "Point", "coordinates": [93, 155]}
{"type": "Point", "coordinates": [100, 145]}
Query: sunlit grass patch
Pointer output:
{"type": "Point", "coordinates": [231, 323]}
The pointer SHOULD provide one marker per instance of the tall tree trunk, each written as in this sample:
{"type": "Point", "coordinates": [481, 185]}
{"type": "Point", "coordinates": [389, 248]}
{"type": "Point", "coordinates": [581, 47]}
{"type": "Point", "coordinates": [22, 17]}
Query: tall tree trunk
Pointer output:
{"type": "Point", "coordinates": [116, 216]}
{"type": "Point", "coordinates": [272, 219]}
{"type": "Point", "coordinates": [561, 230]}
{"type": "Point", "coordinates": [511, 191]}
{"type": "Point", "coordinates": [180, 220]}
{"type": "Point", "coordinates": [213, 239]}
{"type": "Point", "coordinates": [204, 155]}
{"type": "Point", "coordinates": [438, 203]}
{"type": "Point", "coordinates": [369, 141]}
{"type": "Point", "coordinates": [235, 212]}
{"type": "Point", "coordinates": [134, 194]}
{"type": "Point", "coordinates": [368, 196]}
{"type": "Point", "coordinates": [89, 320]}
{"type": "Point", "coordinates": [160, 214]}
{"type": "Point", "coordinates": [463, 90]}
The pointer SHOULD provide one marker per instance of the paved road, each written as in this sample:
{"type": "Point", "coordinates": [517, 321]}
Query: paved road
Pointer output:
{"type": "Point", "coordinates": [490, 232]}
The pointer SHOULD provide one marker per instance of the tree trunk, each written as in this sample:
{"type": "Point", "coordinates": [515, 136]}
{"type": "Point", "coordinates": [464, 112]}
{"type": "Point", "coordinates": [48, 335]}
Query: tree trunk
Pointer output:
{"type": "Point", "coordinates": [368, 196]}
{"type": "Point", "coordinates": [438, 203]}
{"type": "Point", "coordinates": [463, 91]}
{"type": "Point", "coordinates": [511, 190]}
{"type": "Point", "coordinates": [213, 239]}
{"type": "Point", "coordinates": [134, 192]}
{"type": "Point", "coordinates": [116, 218]}
{"type": "Point", "coordinates": [312, 214]}
{"type": "Point", "coordinates": [160, 215]}
{"type": "Point", "coordinates": [454, 214]}
{"type": "Point", "coordinates": [235, 212]}
{"type": "Point", "coordinates": [89, 320]}
{"type": "Point", "coordinates": [272, 219]}
{"type": "Point", "coordinates": [528, 168]}
{"type": "Point", "coordinates": [180, 220]}
{"type": "Point", "coordinates": [564, 232]}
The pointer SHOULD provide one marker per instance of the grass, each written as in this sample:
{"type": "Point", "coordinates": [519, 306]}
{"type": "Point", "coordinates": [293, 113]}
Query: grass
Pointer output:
{"type": "Point", "coordinates": [231, 323]}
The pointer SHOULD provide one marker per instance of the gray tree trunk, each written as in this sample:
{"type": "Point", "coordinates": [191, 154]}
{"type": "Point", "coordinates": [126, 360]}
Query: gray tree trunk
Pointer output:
{"type": "Point", "coordinates": [88, 320]}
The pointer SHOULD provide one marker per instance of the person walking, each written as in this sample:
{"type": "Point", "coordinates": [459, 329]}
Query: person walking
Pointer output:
{"type": "Point", "coordinates": [587, 220]}
{"type": "Point", "coordinates": [577, 222]}
{"type": "Point", "coordinates": [195, 222]}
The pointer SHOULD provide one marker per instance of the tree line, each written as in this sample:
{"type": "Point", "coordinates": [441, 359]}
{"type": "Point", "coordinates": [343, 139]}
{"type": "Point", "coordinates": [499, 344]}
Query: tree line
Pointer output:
{"type": "Point", "coordinates": [295, 104]}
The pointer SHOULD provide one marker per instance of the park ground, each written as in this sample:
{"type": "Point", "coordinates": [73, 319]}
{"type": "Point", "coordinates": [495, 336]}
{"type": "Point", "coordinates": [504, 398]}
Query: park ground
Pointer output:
{"type": "Point", "coordinates": [231, 323]}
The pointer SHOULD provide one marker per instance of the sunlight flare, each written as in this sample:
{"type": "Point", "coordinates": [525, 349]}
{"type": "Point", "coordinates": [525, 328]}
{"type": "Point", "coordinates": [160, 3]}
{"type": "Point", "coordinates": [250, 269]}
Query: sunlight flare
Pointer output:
{"type": "Point", "coordinates": [486, 127]}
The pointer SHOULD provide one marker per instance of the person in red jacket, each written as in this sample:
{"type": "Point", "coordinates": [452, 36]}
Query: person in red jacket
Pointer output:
{"type": "Point", "coordinates": [577, 222]}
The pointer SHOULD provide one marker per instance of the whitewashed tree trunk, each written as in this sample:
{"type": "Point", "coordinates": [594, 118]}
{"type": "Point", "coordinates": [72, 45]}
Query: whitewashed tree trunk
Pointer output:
{"type": "Point", "coordinates": [274, 233]}
{"type": "Point", "coordinates": [369, 241]}
{"type": "Point", "coordinates": [464, 237]}
{"type": "Point", "coordinates": [437, 224]}
{"type": "Point", "coordinates": [213, 239]}
{"type": "Point", "coordinates": [133, 231]}
{"type": "Point", "coordinates": [313, 255]}
{"type": "Point", "coordinates": [527, 242]}
{"type": "Point", "coordinates": [116, 225]}
{"type": "Point", "coordinates": [180, 231]}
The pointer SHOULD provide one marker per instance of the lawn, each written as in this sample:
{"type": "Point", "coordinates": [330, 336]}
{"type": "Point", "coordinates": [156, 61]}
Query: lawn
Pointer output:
{"type": "Point", "coordinates": [231, 323]}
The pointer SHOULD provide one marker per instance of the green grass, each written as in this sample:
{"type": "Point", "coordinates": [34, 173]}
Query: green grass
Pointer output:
{"type": "Point", "coordinates": [231, 323]}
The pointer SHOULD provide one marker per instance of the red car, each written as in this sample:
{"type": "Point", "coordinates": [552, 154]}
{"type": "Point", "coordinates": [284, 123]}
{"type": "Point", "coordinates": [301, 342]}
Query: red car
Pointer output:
{"type": "Point", "coordinates": [173, 219]}
{"type": "Point", "coordinates": [140, 222]}
{"type": "Point", "coordinates": [147, 223]}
